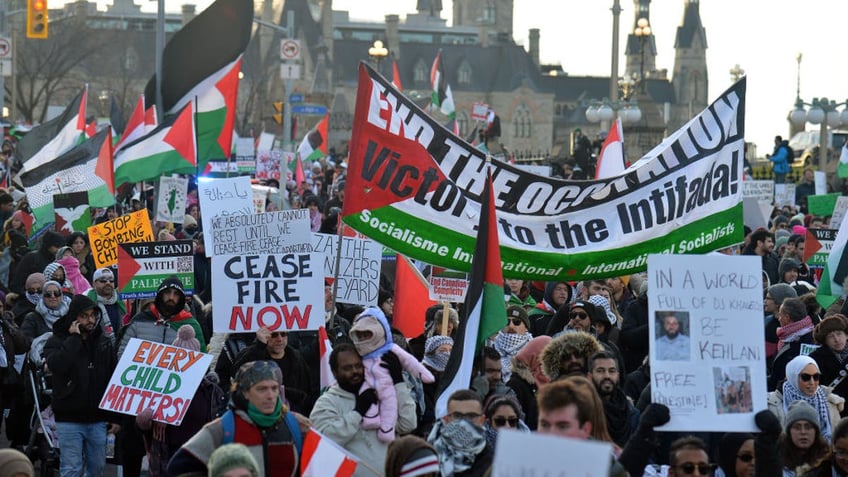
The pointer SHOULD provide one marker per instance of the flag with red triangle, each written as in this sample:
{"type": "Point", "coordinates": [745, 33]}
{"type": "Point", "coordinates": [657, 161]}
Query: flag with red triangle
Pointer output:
{"type": "Point", "coordinates": [168, 149]}
{"type": "Point", "coordinates": [411, 298]}
{"type": "Point", "coordinates": [53, 138]}
{"type": "Point", "coordinates": [314, 144]}
{"type": "Point", "coordinates": [611, 158]}
{"type": "Point", "coordinates": [324, 350]}
{"type": "Point", "coordinates": [485, 309]}
{"type": "Point", "coordinates": [135, 127]}
{"type": "Point", "coordinates": [321, 457]}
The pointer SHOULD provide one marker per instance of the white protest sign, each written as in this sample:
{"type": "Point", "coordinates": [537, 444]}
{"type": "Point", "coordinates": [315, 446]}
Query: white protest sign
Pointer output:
{"type": "Point", "coordinates": [155, 376]}
{"type": "Point", "coordinates": [760, 190]}
{"type": "Point", "coordinates": [171, 199]}
{"type": "Point", "coordinates": [223, 198]}
{"type": "Point", "coordinates": [447, 285]}
{"type": "Point", "coordinates": [260, 198]}
{"type": "Point", "coordinates": [282, 231]}
{"type": "Point", "coordinates": [278, 291]}
{"type": "Point", "coordinates": [754, 214]}
{"type": "Point", "coordinates": [707, 343]}
{"type": "Point", "coordinates": [820, 181]}
{"type": "Point", "coordinates": [839, 212]}
{"type": "Point", "coordinates": [359, 267]}
{"type": "Point", "coordinates": [784, 194]}
{"type": "Point", "coordinates": [586, 458]}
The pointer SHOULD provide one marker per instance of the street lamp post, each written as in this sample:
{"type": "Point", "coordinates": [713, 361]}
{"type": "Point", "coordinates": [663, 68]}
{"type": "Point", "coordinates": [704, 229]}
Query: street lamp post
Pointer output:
{"type": "Point", "coordinates": [606, 110]}
{"type": "Point", "coordinates": [642, 32]}
{"type": "Point", "coordinates": [822, 111]}
{"type": "Point", "coordinates": [378, 52]}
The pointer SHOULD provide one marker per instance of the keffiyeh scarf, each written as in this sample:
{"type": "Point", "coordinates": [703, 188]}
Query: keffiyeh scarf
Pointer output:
{"type": "Point", "coordinates": [51, 315]}
{"type": "Point", "coordinates": [793, 331]}
{"type": "Point", "coordinates": [508, 345]}
{"type": "Point", "coordinates": [458, 444]}
{"type": "Point", "coordinates": [791, 393]}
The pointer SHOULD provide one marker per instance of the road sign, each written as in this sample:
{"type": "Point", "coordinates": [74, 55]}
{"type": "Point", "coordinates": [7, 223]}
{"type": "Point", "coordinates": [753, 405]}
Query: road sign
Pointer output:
{"type": "Point", "coordinates": [289, 49]}
{"type": "Point", "coordinates": [5, 67]}
{"type": "Point", "coordinates": [5, 48]}
{"type": "Point", "coordinates": [295, 98]}
{"type": "Point", "coordinates": [309, 109]}
{"type": "Point", "coordinates": [289, 71]}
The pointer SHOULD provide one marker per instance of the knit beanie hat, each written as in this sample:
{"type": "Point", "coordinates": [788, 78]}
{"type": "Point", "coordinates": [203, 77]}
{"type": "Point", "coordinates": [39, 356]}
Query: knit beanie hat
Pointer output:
{"type": "Point", "coordinates": [422, 461]}
{"type": "Point", "coordinates": [372, 320]}
{"type": "Point", "coordinates": [786, 265]}
{"type": "Point", "coordinates": [229, 457]}
{"type": "Point", "coordinates": [829, 325]}
{"type": "Point", "coordinates": [186, 338]}
{"type": "Point", "coordinates": [781, 241]}
{"type": "Point", "coordinates": [189, 221]}
{"type": "Point", "coordinates": [13, 461]}
{"type": "Point", "coordinates": [518, 311]}
{"type": "Point", "coordinates": [171, 282]}
{"type": "Point", "coordinates": [780, 292]}
{"type": "Point", "coordinates": [35, 279]}
{"type": "Point", "coordinates": [801, 411]}
{"type": "Point", "coordinates": [256, 371]}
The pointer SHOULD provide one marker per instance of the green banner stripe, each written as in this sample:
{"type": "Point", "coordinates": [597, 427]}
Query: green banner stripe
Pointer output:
{"type": "Point", "coordinates": [150, 282]}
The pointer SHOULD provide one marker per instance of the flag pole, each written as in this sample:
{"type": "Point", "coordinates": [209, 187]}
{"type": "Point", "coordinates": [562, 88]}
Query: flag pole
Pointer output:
{"type": "Point", "coordinates": [336, 276]}
{"type": "Point", "coordinates": [196, 142]}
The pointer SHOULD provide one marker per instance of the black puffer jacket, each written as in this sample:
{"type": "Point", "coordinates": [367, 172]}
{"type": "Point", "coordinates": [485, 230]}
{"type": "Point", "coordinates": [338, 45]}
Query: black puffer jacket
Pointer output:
{"type": "Point", "coordinates": [81, 368]}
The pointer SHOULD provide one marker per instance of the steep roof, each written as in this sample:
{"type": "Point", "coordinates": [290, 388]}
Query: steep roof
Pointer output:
{"type": "Point", "coordinates": [691, 25]}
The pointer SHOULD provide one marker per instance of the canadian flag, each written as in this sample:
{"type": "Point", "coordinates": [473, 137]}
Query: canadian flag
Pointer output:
{"type": "Point", "coordinates": [324, 350]}
{"type": "Point", "coordinates": [611, 158]}
{"type": "Point", "coordinates": [321, 457]}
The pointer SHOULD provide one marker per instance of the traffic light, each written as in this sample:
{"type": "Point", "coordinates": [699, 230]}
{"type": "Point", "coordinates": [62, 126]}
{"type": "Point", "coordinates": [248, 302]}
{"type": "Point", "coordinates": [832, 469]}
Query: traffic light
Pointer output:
{"type": "Point", "coordinates": [278, 107]}
{"type": "Point", "coordinates": [36, 26]}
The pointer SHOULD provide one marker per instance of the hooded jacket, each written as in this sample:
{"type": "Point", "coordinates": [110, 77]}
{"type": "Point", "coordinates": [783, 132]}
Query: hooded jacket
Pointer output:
{"type": "Point", "coordinates": [81, 367]}
{"type": "Point", "coordinates": [541, 315]}
{"type": "Point", "coordinates": [35, 261]}
{"type": "Point", "coordinates": [562, 346]}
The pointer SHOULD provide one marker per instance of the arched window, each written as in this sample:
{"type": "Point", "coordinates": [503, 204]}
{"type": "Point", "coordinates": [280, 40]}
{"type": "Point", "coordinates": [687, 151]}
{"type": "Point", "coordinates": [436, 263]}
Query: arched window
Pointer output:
{"type": "Point", "coordinates": [422, 71]}
{"type": "Point", "coordinates": [522, 123]}
{"type": "Point", "coordinates": [464, 73]}
{"type": "Point", "coordinates": [462, 123]}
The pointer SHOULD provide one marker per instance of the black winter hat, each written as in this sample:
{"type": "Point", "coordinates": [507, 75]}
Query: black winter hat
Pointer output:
{"type": "Point", "coordinates": [171, 282]}
{"type": "Point", "coordinates": [79, 304]}
{"type": "Point", "coordinates": [52, 239]}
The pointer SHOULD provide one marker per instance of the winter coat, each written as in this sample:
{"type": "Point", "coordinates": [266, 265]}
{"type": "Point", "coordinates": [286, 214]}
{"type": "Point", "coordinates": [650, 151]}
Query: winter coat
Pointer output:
{"type": "Point", "coordinates": [152, 326]}
{"type": "Point", "coordinates": [634, 333]}
{"type": "Point", "coordinates": [830, 368]}
{"type": "Point", "coordinates": [295, 374]}
{"type": "Point", "coordinates": [524, 386]}
{"type": "Point", "coordinates": [835, 404]}
{"type": "Point", "coordinates": [785, 355]}
{"type": "Point", "coordinates": [33, 262]}
{"type": "Point", "coordinates": [575, 342]}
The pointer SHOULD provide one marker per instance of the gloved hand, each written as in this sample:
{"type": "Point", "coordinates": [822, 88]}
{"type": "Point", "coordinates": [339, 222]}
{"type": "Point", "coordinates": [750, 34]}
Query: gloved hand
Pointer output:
{"type": "Point", "coordinates": [392, 363]}
{"type": "Point", "coordinates": [364, 400]}
{"type": "Point", "coordinates": [767, 422]}
{"type": "Point", "coordinates": [653, 416]}
{"type": "Point", "coordinates": [144, 420]}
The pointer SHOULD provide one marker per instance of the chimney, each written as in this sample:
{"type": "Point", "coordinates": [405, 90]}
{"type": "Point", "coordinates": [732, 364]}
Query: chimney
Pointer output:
{"type": "Point", "coordinates": [534, 45]}
{"type": "Point", "coordinates": [188, 13]}
{"type": "Point", "coordinates": [393, 34]}
{"type": "Point", "coordinates": [81, 9]}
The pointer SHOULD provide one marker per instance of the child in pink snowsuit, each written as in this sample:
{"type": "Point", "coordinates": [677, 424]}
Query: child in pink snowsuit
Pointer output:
{"type": "Point", "coordinates": [372, 337]}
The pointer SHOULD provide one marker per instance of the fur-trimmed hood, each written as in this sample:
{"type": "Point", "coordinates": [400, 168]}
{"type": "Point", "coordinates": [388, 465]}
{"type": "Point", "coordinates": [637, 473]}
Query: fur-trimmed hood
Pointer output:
{"type": "Point", "coordinates": [577, 341]}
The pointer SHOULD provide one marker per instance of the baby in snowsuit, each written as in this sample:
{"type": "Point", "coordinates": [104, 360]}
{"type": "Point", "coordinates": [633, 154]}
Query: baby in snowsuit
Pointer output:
{"type": "Point", "coordinates": [372, 337]}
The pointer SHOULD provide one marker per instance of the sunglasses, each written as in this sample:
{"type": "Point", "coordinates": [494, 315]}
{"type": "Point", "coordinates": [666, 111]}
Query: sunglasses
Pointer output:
{"type": "Point", "coordinates": [105, 280]}
{"type": "Point", "coordinates": [745, 457]}
{"type": "Point", "coordinates": [578, 315]}
{"type": "Point", "coordinates": [35, 291]}
{"type": "Point", "coordinates": [53, 294]}
{"type": "Point", "coordinates": [501, 421]}
{"type": "Point", "coordinates": [807, 377]}
{"type": "Point", "coordinates": [514, 321]}
{"type": "Point", "coordinates": [689, 468]}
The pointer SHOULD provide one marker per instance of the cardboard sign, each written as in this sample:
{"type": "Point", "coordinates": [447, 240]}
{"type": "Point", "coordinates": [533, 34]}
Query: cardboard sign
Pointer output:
{"type": "Point", "coordinates": [586, 458]}
{"type": "Point", "coordinates": [72, 212]}
{"type": "Point", "coordinates": [144, 265]}
{"type": "Point", "coordinates": [282, 231]}
{"type": "Point", "coordinates": [155, 376]}
{"type": "Point", "coordinates": [171, 199]}
{"type": "Point", "coordinates": [105, 237]}
{"type": "Point", "coordinates": [447, 285]}
{"type": "Point", "coordinates": [223, 198]}
{"type": "Point", "coordinates": [784, 194]}
{"type": "Point", "coordinates": [706, 340]}
{"type": "Point", "coordinates": [279, 291]}
{"type": "Point", "coordinates": [760, 190]}
{"type": "Point", "coordinates": [268, 165]}
{"type": "Point", "coordinates": [359, 267]}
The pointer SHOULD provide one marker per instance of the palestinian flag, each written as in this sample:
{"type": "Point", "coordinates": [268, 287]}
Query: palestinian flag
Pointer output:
{"type": "Point", "coordinates": [71, 212]}
{"type": "Point", "coordinates": [322, 457]}
{"type": "Point", "coordinates": [437, 82]}
{"type": "Point", "coordinates": [53, 138]}
{"type": "Point", "coordinates": [412, 298]}
{"type": "Point", "coordinates": [611, 159]}
{"type": "Point", "coordinates": [73, 171]}
{"type": "Point", "coordinates": [831, 286]}
{"type": "Point", "coordinates": [314, 144]}
{"type": "Point", "coordinates": [484, 307]}
{"type": "Point", "coordinates": [202, 61]}
{"type": "Point", "coordinates": [842, 171]}
{"type": "Point", "coordinates": [168, 149]}
{"type": "Point", "coordinates": [296, 168]}
{"type": "Point", "coordinates": [135, 127]}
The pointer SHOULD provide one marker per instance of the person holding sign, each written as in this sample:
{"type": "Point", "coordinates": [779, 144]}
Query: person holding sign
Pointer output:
{"type": "Point", "coordinates": [802, 384]}
{"type": "Point", "coordinates": [81, 359]}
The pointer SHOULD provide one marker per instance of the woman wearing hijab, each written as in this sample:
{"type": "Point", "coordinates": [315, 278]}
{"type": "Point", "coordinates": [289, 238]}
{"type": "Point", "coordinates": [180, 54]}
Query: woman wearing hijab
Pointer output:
{"type": "Point", "coordinates": [52, 306]}
{"type": "Point", "coordinates": [802, 384]}
{"type": "Point", "coordinates": [527, 377]}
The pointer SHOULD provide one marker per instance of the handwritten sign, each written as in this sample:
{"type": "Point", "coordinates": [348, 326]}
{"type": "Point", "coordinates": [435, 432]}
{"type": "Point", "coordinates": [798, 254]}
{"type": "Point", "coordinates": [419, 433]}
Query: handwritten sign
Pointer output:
{"type": "Point", "coordinates": [278, 291]}
{"type": "Point", "coordinates": [268, 165]}
{"type": "Point", "coordinates": [223, 198]}
{"type": "Point", "coordinates": [105, 237]}
{"type": "Point", "coordinates": [839, 212]}
{"type": "Point", "coordinates": [171, 199]}
{"type": "Point", "coordinates": [359, 267]}
{"type": "Point", "coordinates": [144, 265]}
{"type": "Point", "coordinates": [272, 232]}
{"type": "Point", "coordinates": [760, 190]}
{"type": "Point", "coordinates": [706, 340]}
{"type": "Point", "coordinates": [155, 376]}
{"type": "Point", "coordinates": [784, 194]}
{"type": "Point", "coordinates": [585, 458]}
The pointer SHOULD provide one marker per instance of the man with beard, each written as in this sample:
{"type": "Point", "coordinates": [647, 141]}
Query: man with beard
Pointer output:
{"type": "Point", "coordinates": [673, 345]}
{"type": "Point", "coordinates": [459, 437]}
{"type": "Point", "coordinates": [622, 416]}
{"type": "Point", "coordinates": [568, 355]}
{"type": "Point", "coordinates": [104, 294]}
{"type": "Point", "coordinates": [338, 412]}
{"type": "Point", "coordinates": [762, 244]}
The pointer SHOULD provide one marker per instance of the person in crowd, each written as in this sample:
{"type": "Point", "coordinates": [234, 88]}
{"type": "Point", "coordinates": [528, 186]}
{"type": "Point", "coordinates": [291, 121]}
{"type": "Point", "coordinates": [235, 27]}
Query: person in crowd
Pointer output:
{"type": "Point", "coordinates": [12, 343]}
{"type": "Point", "coordinates": [527, 377]}
{"type": "Point", "coordinates": [802, 384]}
{"type": "Point", "coordinates": [556, 295]}
{"type": "Point", "coordinates": [575, 316]}
{"type": "Point", "coordinates": [569, 354]}
{"type": "Point", "coordinates": [81, 360]}
{"type": "Point", "coordinates": [514, 336]}
{"type": "Point", "coordinates": [622, 417]}
{"type": "Point", "coordinates": [780, 159]}
{"type": "Point", "coordinates": [688, 456]}
{"type": "Point", "coordinates": [14, 230]}
{"type": "Point", "coordinates": [106, 297]}
{"type": "Point", "coordinates": [832, 354]}
{"type": "Point", "coordinates": [736, 456]}
{"type": "Point", "coordinates": [634, 331]}
{"type": "Point", "coordinates": [802, 446]}
{"type": "Point", "coordinates": [502, 412]}
{"type": "Point", "coordinates": [314, 205]}
{"type": "Point", "coordinates": [762, 244]}
{"type": "Point", "coordinates": [386, 303]}
{"type": "Point", "coordinates": [224, 367]}
{"type": "Point", "coordinates": [806, 187]}
{"type": "Point", "coordinates": [789, 271]}
{"type": "Point", "coordinates": [796, 328]}
{"type": "Point", "coordinates": [837, 465]}
{"type": "Point", "coordinates": [56, 272]}
{"type": "Point", "coordinates": [233, 460]}
{"type": "Point", "coordinates": [488, 377]}
{"type": "Point", "coordinates": [189, 229]}
{"type": "Point", "coordinates": [620, 293]}
{"type": "Point", "coordinates": [775, 295]}
{"type": "Point", "coordinates": [257, 418]}
{"type": "Point", "coordinates": [65, 257]}
{"type": "Point", "coordinates": [459, 437]}
{"type": "Point", "coordinates": [339, 411]}
{"type": "Point", "coordinates": [411, 456]}
{"type": "Point", "coordinates": [34, 287]}
{"type": "Point", "coordinates": [36, 261]}
{"type": "Point", "coordinates": [14, 463]}
{"type": "Point", "coordinates": [636, 380]}
{"type": "Point", "coordinates": [604, 322]}
{"type": "Point", "coordinates": [274, 346]}
{"type": "Point", "coordinates": [519, 293]}
{"type": "Point", "coordinates": [78, 242]}
{"type": "Point", "coordinates": [598, 420]}
{"type": "Point", "coordinates": [52, 306]}
{"type": "Point", "coordinates": [437, 351]}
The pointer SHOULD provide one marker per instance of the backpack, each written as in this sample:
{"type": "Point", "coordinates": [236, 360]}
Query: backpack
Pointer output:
{"type": "Point", "coordinates": [791, 157]}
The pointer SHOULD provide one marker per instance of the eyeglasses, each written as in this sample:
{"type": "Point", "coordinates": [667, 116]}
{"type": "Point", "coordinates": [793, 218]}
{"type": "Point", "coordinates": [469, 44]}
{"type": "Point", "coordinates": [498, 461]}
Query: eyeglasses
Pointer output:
{"type": "Point", "coordinates": [279, 334]}
{"type": "Point", "coordinates": [807, 377]}
{"type": "Point", "coordinates": [105, 280]}
{"type": "Point", "coordinates": [514, 321]}
{"type": "Point", "coordinates": [35, 291]}
{"type": "Point", "coordinates": [468, 416]}
{"type": "Point", "coordinates": [745, 457]}
{"type": "Point", "coordinates": [578, 315]}
{"type": "Point", "coordinates": [690, 468]}
{"type": "Point", "coordinates": [501, 421]}
{"type": "Point", "coordinates": [52, 294]}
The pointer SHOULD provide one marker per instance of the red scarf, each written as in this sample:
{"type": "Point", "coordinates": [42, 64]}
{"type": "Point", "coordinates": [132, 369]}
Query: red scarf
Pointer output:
{"type": "Point", "coordinates": [794, 330]}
